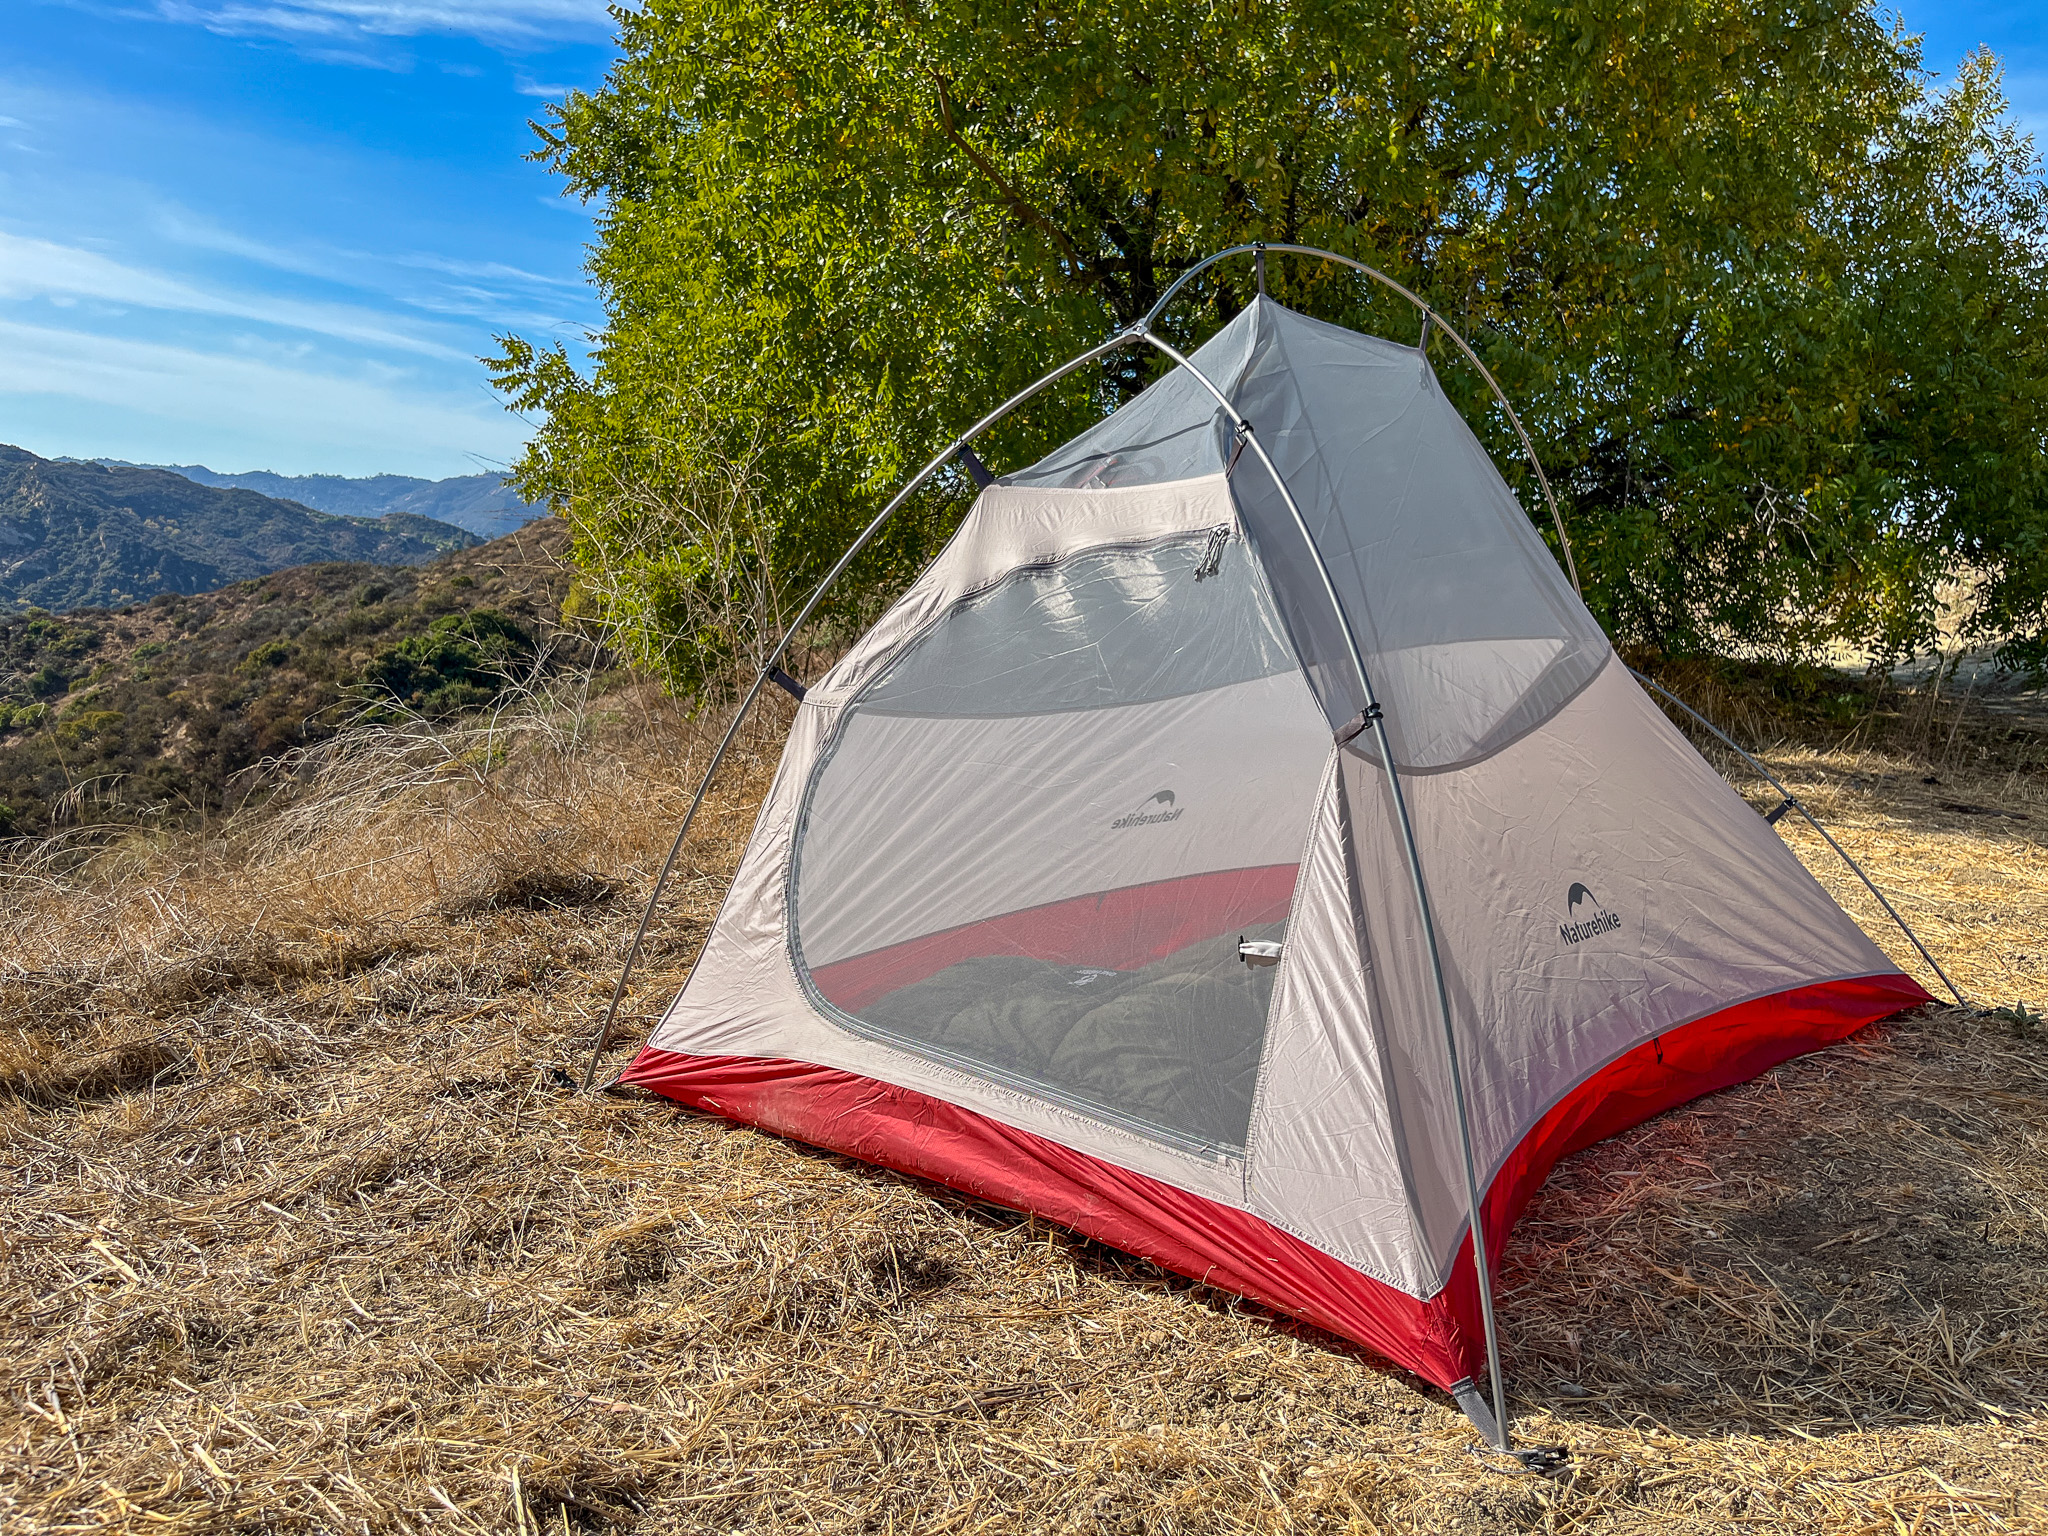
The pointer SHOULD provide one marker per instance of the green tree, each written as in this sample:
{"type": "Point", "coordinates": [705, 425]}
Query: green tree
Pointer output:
{"type": "Point", "coordinates": [1772, 309]}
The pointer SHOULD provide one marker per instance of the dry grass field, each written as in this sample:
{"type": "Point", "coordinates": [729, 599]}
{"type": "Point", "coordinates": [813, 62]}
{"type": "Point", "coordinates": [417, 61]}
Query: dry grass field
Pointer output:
{"type": "Point", "coordinates": [302, 1229]}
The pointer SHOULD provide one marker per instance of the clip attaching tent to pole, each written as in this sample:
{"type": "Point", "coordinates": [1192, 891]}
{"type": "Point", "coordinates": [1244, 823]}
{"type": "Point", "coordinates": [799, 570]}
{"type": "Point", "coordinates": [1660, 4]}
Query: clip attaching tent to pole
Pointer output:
{"type": "Point", "coordinates": [977, 471]}
{"type": "Point", "coordinates": [787, 684]}
{"type": "Point", "coordinates": [1237, 442]}
{"type": "Point", "coordinates": [1777, 812]}
{"type": "Point", "coordinates": [1259, 267]}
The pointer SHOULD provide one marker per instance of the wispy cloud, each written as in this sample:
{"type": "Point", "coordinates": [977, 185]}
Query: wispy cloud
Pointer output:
{"type": "Point", "coordinates": [507, 21]}
{"type": "Point", "coordinates": [31, 268]}
{"type": "Point", "coordinates": [219, 404]}
{"type": "Point", "coordinates": [487, 269]}
{"type": "Point", "coordinates": [381, 273]}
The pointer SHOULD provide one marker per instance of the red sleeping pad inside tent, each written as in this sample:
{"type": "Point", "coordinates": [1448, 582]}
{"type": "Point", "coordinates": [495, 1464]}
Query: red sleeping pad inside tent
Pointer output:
{"type": "Point", "coordinates": [1440, 1339]}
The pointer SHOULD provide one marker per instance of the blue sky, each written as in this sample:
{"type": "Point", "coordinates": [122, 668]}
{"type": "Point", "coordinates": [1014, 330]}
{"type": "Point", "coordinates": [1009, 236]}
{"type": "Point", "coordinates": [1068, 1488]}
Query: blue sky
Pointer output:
{"type": "Point", "coordinates": [276, 234]}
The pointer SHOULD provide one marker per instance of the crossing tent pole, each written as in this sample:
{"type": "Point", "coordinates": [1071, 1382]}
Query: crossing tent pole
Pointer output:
{"type": "Point", "coordinates": [1497, 1433]}
{"type": "Point", "coordinates": [867, 534]}
{"type": "Point", "coordinates": [1429, 317]}
{"type": "Point", "coordinates": [1811, 820]}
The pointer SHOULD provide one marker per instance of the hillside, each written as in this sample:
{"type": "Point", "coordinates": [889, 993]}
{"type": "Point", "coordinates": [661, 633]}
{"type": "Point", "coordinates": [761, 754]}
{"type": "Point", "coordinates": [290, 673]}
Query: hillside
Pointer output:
{"type": "Point", "coordinates": [303, 1231]}
{"type": "Point", "coordinates": [482, 504]}
{"type": "Point", "coordinates": [149, 712]}
{"type": "Point", "coordinates": [75, 535]}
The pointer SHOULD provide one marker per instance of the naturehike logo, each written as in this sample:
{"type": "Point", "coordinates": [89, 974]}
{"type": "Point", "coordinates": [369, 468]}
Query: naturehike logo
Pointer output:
{"type": "Point", "coordinates": [1159, 807]}
{"type": "Point", "coordinates": [1576, 930]}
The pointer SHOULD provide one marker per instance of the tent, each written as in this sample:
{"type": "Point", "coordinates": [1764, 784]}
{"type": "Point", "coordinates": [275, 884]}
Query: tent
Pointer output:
{"type": "Point", "coordinates": [1242, 846]}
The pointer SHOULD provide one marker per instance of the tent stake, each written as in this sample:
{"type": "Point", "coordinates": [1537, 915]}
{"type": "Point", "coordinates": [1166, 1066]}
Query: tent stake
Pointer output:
{"type": "Point", "coordinates": [774, 662]}
{"type": "Point", "coordinates": [1795, 803]}
{"type": "Point", "coordinates": [1496, 1433]}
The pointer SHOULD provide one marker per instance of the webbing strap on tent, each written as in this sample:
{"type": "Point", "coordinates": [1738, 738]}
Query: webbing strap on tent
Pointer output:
{"type": "Point", "coordinates": [1791, 802]}
{"type": "Point", "coordinates": [977, 471]}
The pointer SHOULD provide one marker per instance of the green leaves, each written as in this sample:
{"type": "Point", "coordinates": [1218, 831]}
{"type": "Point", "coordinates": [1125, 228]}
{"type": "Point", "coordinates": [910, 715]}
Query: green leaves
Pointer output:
{"type": "Point", "coordinates": [1771, 311]}
{"type": "Point", "coordinates": [463, 661]}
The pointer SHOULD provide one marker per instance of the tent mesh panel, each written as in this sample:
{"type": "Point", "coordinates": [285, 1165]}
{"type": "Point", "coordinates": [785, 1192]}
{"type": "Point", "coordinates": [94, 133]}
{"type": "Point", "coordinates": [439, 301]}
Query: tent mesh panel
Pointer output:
{"type": "Point", "coordinates": [1034, 842]}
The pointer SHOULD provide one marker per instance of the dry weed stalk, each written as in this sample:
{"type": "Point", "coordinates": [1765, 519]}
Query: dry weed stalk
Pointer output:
{"type": "Point", "coordinates": [302, 1233]}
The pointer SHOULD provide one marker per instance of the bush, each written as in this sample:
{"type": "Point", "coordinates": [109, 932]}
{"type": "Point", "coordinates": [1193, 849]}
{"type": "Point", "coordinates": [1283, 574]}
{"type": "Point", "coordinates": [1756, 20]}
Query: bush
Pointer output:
{"type": "Point", "coordinates": [463, 661]}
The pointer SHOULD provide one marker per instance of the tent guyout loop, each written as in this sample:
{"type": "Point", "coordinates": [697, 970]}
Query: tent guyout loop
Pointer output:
{"type": "Point", "coordinates": [1065, 896]}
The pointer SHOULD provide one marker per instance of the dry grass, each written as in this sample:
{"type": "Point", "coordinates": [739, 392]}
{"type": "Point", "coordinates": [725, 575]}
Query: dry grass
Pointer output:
{"type": "Point", "coordinates": [302, 1230]}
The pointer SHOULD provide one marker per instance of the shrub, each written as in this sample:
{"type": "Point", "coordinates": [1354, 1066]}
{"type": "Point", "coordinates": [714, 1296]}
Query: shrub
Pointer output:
{"type": "Point", "coordinates": [463, 661]}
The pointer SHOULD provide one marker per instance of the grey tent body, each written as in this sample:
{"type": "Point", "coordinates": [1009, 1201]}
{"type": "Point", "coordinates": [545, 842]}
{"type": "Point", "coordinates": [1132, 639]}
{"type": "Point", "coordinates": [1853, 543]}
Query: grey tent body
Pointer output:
{"type": "Point", "coordinates": [1163, 707]}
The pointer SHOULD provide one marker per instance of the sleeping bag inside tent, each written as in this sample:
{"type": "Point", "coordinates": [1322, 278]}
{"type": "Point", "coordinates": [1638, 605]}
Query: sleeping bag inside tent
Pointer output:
{"type": "Point", "coordinates": [1083, 885]}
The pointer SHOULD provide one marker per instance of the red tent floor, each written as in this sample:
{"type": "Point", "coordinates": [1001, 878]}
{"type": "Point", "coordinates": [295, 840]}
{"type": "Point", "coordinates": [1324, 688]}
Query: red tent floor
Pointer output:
{"type": "Point", "coordinates": [1439, 1339]}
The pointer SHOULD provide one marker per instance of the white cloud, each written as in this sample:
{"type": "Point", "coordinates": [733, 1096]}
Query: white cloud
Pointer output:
{"type": "Point", "coordinates": [202, 234]}
{"type": "Point", "coordinates": [487, 269]}
{"type": "Point", "coordinates": [511, 21]}
{"type": "Point", "coordinates": [31, 268]}
{"type": "Point", "coordinates": [215, 403]}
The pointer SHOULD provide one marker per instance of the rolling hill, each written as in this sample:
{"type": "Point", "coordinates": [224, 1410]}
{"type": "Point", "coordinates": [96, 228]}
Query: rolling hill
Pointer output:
{"type": "Point", "coordinates": [75, 535]}
{"type": "Point", "coordinates": [148, 712]}
{"type": "Point", "coordinates": [482, 504]}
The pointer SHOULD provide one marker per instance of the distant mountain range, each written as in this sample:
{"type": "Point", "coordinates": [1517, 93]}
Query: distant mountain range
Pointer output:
{"type": "Point", "coordinates": [481, 503]}
{"type": "Point", "coordinates": [77, 535]}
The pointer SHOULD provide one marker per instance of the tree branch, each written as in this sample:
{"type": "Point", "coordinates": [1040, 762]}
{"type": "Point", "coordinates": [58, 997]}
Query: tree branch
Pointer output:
{"type": "Point", "coordinates": [1017, 202]}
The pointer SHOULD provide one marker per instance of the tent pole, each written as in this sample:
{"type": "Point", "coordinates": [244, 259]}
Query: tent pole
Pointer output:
{"type": "Point", "coordinates": [1811, 820]}
{"type": "Point", "coordinates": [867, 534]}
{"type": "Point", "coordinates": [1429, 317]}
{"type": "Point", "coordinates": [604, 1033]}
{"type": "Point", "coordinates": [1497, 1433]}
